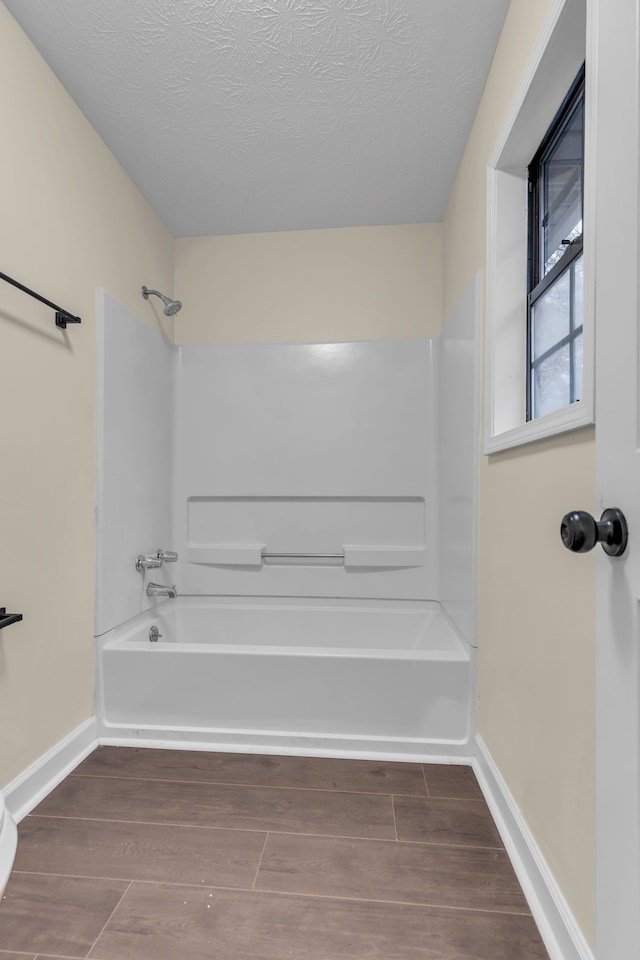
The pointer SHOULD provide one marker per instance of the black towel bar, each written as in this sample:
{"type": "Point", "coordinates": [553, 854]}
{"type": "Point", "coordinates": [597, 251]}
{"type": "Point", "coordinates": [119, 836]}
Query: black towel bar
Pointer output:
{"type": "Point", "coordinates": [63, 317]}
{"type": "Point", "coordinates": [7, 618]}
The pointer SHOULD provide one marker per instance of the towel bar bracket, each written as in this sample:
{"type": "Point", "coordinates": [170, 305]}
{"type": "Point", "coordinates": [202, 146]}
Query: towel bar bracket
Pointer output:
{"type": "Point", "coordinates": [8, 618]}
{"type": "Point", "coordinates": [62, 319]}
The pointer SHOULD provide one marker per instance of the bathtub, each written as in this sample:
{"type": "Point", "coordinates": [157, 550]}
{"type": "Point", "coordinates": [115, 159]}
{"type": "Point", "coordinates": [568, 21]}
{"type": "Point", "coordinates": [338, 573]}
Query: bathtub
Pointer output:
{"type": "Point", "coordinates": [332, 677]}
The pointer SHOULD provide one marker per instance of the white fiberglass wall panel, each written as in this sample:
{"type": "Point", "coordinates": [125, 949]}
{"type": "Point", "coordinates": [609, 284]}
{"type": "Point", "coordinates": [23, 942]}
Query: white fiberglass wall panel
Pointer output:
{"type": "Point", "coordinates": [320, 449]}
{"type": "Point", "coordinates": [135, 417]}
{"type": "Point", "coordinates": [458, 424]}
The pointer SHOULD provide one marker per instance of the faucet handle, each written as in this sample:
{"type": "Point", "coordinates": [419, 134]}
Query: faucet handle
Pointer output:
{"type": "Point", "coordinates": [168, 556]}
{"type": "Point", "coordinates": [145, 563]}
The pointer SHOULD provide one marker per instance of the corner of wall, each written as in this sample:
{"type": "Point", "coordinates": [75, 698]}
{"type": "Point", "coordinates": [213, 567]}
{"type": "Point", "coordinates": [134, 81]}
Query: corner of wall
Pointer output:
{"type": "Point", "coordinates": [357, 283]}
{"type": "Point", "coordinates": [532, 648]}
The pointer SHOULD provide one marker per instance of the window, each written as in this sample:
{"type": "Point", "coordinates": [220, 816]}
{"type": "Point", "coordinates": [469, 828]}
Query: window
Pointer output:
{"type": "Point", "coordinates": [555, 268]}
{"type": "Point", "coordinates": [540, 324]}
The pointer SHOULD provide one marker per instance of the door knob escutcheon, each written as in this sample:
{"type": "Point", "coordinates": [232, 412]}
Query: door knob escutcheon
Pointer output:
{"type": "Point", "coordinates": [580, 531]}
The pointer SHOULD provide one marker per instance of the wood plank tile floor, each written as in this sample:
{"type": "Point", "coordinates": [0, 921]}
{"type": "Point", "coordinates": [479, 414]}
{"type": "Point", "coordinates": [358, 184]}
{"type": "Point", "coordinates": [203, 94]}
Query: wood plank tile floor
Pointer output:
{"type": "Point", "coordinates": [162, 854]}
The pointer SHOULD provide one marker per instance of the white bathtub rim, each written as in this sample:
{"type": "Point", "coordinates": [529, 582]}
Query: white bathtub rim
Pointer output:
{"type": "Point", "coordinates": [268, 600]}
{"type": "Point", "coordinates": [211, 602]}
{"type": "Point", "coordinates": [129, 635]}
{"type": "Point", "coordinates": [353, 653]}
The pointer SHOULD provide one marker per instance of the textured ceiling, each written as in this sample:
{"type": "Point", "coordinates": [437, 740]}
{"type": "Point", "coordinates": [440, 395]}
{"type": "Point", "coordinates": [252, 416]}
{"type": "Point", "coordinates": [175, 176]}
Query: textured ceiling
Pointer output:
{"type": "Point", "coordinates": [238, 116]}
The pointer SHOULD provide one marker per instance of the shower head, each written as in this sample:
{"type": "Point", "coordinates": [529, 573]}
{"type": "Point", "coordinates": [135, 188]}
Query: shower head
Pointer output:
{"type": "Point", "coordinates": [171, 307]}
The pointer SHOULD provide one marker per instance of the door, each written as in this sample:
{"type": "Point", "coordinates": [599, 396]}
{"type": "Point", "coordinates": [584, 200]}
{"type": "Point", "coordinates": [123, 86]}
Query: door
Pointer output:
{"type": "Point", "coordinates": [615, 26]}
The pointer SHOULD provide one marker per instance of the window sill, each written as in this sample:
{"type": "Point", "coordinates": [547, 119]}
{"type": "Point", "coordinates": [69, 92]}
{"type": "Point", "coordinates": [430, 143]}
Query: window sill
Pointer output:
{"type": "Point", "coordinates": [561, 421]}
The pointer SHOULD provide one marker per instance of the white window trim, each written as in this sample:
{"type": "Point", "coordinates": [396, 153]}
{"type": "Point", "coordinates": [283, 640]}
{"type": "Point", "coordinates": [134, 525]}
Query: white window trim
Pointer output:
{"type": "Point", "coordinates": [561, 49]}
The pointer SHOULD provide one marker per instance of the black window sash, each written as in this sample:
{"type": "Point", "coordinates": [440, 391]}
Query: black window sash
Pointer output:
{"type": "Point", "coordinates": [537, 285]}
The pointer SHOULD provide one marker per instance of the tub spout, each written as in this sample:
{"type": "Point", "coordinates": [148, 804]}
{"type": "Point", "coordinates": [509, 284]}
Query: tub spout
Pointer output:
{"type": "Point", "coordinates": [161, 590]}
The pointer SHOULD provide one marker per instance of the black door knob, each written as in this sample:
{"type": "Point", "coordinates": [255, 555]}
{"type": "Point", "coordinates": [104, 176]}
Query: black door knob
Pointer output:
{"type": "Point", "coordinates": [580, 531]}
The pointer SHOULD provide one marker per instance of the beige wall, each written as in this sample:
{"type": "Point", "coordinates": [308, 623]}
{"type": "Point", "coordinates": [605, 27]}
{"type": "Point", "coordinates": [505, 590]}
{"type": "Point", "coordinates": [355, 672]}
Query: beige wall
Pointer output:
{"type": "Point", "coordinates": [350, 284]}
{"type": "Point", "coordinates": [536, 601]}
{"type": "Point", "coordinates": [71, 221]}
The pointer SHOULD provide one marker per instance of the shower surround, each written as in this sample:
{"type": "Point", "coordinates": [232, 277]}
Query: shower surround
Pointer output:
{"type": "Point", "coordinates": [299, 484]}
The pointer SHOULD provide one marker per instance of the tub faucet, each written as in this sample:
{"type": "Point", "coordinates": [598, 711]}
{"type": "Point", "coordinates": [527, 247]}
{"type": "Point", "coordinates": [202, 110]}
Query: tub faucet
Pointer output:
{"type": "Point", "coordinates": [146, 563]}
{"type": "Point", "coordinates": [161, 590]}
{"type": "Point", "coordinates": [166, 556]}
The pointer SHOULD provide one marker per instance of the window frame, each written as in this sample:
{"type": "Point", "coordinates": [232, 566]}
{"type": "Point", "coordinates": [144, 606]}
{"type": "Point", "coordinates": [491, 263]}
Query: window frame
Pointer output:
{"type": "Point", "coordinates": [565, 42]}
{"type": "Point", "coordinates": [538, 283]}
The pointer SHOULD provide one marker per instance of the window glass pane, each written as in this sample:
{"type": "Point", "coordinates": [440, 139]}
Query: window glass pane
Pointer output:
{"type": "Point", "coordinates": [562, 189]}
{"type": "Point", "coordinates": [576, 347]}
{"type": "Point", "coordinates": [578, 293]}
{"type": "Point", "coordinates": [550, 316]}
{"type": "Point", "coordinates": [551, 383]}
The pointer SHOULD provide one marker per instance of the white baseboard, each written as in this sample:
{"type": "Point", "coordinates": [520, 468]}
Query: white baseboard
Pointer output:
{"type": "Point", "coordinates": [8, 844]}
{"type": "Point", "coordinates": [33, 785]}
{"type": "Point", "coordinates": [558, 927]}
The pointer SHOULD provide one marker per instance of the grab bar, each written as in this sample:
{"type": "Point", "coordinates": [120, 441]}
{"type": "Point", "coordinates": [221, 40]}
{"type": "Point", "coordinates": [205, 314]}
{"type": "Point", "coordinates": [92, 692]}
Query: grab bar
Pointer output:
{"type": "Point", "coordinates": [302, 556]}
{"type": "Point", "coordinates": [8, 618]}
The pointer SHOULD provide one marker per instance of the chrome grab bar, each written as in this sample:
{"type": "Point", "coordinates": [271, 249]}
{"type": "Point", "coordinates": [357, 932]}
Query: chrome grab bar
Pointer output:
{"type": "Point", "coordinates": [302, 556]}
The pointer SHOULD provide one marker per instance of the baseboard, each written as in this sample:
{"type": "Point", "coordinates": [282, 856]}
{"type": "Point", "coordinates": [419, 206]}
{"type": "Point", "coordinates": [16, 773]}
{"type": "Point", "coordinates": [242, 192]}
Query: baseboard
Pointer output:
{"type": "Point", "coordinates": [8, 844]}
{"type": "Point", "coordinates": [33, 785]}
{"type": "Point", "coordinates": [558, 927]}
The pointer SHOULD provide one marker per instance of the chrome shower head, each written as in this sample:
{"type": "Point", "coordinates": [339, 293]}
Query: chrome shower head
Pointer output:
{"type": "Point", "coordinates": [171, 307]}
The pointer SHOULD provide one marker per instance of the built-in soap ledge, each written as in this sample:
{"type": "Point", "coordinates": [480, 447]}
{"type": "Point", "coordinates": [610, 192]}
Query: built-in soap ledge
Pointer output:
{"type": "Point", "coordinates": [352, 556]}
